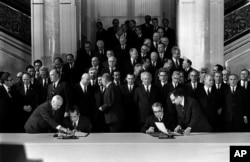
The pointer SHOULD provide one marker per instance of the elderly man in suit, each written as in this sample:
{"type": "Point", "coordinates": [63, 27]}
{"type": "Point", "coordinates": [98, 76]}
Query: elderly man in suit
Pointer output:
{"type": "Point", "coordinates": [234, 111]}
{"type": "Point", "coordinates": [112, 105]}
{"type": "Point", "coordinates": [42, 119]}
{"type": "Point", "coordinates": [59, 87]}
{"type": "Point", "coordinates": [28, 96]}
{"type": "Point", "coordinates": [145, 95]}
{"type": "Point", "coordinates": [189, 113]}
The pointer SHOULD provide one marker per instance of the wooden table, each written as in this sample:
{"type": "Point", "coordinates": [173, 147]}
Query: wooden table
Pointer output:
{"type": "Point", "coordinates": [128, 147]}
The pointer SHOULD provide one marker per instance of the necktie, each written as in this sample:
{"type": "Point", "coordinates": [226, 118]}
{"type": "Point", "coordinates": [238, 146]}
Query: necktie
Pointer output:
{"type": "Point", "coordinates": [233, 90]}
{"type": "Point", "coordinates": [53, 89]}
{"type": "Point", "coordinates": [9, 91]}
{"type": "Point", "coordinates": [26, 89]}
{"type": "Point", "coordinates": [208, 92]}
{"type": "Point", "coordinates": [44, 82]}
{"type": "Point", "coordinates": [147, 90]}
{"type": "Point", "coordinates": [74, 125]}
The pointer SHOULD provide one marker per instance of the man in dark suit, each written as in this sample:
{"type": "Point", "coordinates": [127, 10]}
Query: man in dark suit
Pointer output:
{"type": "Point", "coordinates": [77, 122]}
{"type": "Point", "coordinates": [234, 111]}
{"type": "Point", "coordinates": [69, 70]}
{"type": "Point", "coordinates": [162, 54]}
{"type": "Point", "coordinates": [101, 125]}
{"type": "Point", "coordinates": [42, 120]}
{"type": "Point", "coordinates": [167, 47]}
{"type": "Point", "coordinates": [177, 61]}
{"type": "Point", "coordinates": [83, 59]}
{"type": "Point", "coordinates": [155, 42]}
{"type": "Point", "coordinates": [143, 53]}
{"type": "Point", "coordinates": [112, 105]}
{"type": "Point", "coordinates": [220, 87]}
{"type": "Point", "coordinates": [28, 96]}
{"type": "Point", "coordinates": [147, 28]}
{"type": "Point", "coordinates": [93, 78]}
{"type": "Point", "coordinates": [155, 63]}
{"type": "Point", "coordinates": [95, 63]}
{"type": "Point", "coordinates": [59, 87]}
{"type": "Point", "coordinates": [139, 38]}
{"type": "Point", "coordinates": [145, 95]}
{"type": "Point", "coordinates": [101, 33]}
{"type": "Point", "coordinates": [7, 104]}
{"type": "Point", "coordinates": [245, 84]}
{"type": "Point", "coordinates": [100, 51]}
{"type": "Point", "coordinates": [209, 100]}
{"type": "Point", "coordinates": [190, 116]}
{"type": "Point", "coordinates": [193, 85]}
{"type": "Point", "coordinates": [43, 83]}
{"type": "Point", "coordinates": [122, 50]}
{"type": "Point", "coordinates": [31, 70]}
{"type": "Point", "coordinates": [128, 64]}
{"type": "Point", "coordinates": [83, 97]}
{"type": "Point", "coordinates": [186, 65]}
{"type": "Point", "coordinates": [130, 109]}
{"type": "Point", "coordinates": [158, 116]}
{"type": "Point", "coordinates": [112, 66]}
{"type": "Point", "coordinates": [162, 85]}
{"type": "Point", "coordinates": [169, 32]}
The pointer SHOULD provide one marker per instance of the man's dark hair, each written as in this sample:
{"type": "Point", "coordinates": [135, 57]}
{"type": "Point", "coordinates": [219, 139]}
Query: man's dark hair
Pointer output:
{"type": "Point", "coordinates": [29, 67]}
{"type": "Point", "coordinates": [58, 58]}
{"type": "Point", "coordinates": [74, 108]}
{"type": "Point", "coordinates": [5, 77]}
{"type": "Point", "coordinates": [220, 67]}
{"type": "Point", "coordinates": [177, 92]}
{"type": "Point", "coordinates": [245, 70]}
{"type": "Point", "coordinates": [38, 61]}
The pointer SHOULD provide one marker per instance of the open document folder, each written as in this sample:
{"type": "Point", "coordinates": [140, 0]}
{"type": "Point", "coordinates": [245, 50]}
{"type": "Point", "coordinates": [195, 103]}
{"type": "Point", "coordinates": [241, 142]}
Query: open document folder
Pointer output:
{"type": "Point", "coordinates": [163, 129]}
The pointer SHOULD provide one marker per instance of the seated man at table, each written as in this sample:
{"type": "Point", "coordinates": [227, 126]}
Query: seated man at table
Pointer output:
{"type": "Point", "coordinates": [190, 116]}
{"type": "Point", "coordinates": [77, 122]}
{"type": "Point", "coordinates": [42, 119]}
{"type": "Point", "coordinates": [158, 116]}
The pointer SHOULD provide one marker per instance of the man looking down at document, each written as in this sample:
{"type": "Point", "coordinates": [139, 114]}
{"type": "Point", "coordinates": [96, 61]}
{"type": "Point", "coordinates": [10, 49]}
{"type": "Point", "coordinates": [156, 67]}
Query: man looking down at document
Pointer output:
{"type": "Point", "coordinates": [158, 116]}
{"type": "Point", "coordinates": [189, 113]}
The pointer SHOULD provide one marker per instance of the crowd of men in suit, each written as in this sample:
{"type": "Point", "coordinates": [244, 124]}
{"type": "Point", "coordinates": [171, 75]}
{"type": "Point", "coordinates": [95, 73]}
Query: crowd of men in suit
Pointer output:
{"type": "Point", "coordinates": [133, 78]}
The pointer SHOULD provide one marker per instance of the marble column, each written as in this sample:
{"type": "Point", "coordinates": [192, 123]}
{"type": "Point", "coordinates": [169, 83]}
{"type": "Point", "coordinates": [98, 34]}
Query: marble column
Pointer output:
{"type": "Point", "coordinates": [51, 31]}
{"type": "Point", "coordinates": [200, 37]}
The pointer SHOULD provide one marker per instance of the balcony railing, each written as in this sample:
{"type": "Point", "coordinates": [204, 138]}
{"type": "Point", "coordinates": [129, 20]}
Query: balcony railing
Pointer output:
{"type": "Point", "coordinates": [237, 23]}
{"type": "Point", "coordinates": [15, 23]}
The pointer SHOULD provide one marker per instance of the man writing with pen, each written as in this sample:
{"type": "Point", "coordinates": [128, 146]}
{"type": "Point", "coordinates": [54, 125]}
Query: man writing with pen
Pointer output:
{"type": "Point", "coordinates": [76, 122]}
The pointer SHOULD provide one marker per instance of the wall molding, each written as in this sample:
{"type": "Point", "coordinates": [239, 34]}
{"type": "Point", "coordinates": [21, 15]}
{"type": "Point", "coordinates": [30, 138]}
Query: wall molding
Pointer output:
{"type": "Point", "coordinates": [237, 57]}
{"type": "Point", "coordinates": [15, 43]}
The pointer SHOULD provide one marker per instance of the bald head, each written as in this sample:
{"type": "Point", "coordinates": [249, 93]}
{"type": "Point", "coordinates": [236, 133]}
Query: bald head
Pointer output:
{"type": "Point", "coordinates": [56, 102]}
{"type": "Point", "coordinates": [85, 80]}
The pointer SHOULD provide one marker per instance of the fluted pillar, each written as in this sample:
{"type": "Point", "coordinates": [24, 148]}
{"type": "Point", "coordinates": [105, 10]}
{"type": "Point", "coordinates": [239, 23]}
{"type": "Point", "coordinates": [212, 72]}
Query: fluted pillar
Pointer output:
{"type": "Point", "coordinates": [51, 31]}
{"type": "Point", "coordinates": [200, 37]}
